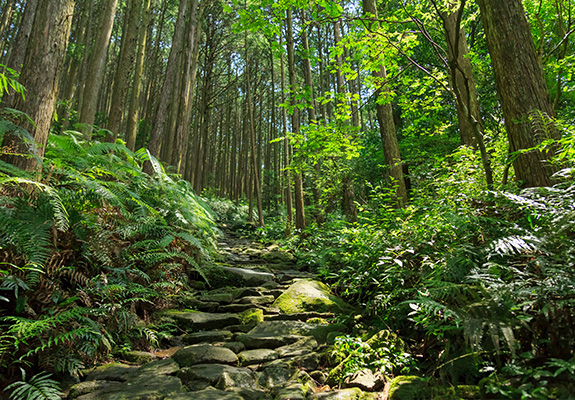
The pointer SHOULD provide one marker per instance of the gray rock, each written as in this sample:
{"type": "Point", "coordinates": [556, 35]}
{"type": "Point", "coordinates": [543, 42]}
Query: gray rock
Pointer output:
{"type": "Point", "coordinates": [266, 342]}
{"type": "Point", "coordinates": [275, 375]}
{"type": "Point", "coordinates": [250, 394]}
{"type": "Point", "coordinates": [206, 394]}
{"type": "Point", "coordinates": [250, 277]}
{"type": "Point", "coordinates": [365, 380]}
{"type": "Point", "coordinates": [258, 356]}
{"type": "Point", "coordinates": [299, 348]}
{"type": "Point", "coordinates": [257, 300]}
{"type": "Point", "coordinates": [343, 394]}
{"type": "Point", "coordinates": [294, 391]}
{"type": "Point", "coordinates": [158, 367]}
{"type": "Point", "coordinates": [234, 308]}
{"type": "Point", "coordinates": [236, 347]}
{"type": "Point", "coordinates": [82, 388]}
{"type": "Point", "coordinates": [208, 337]}
{"type": "Point", "coordinates": [150, 387]}
{"type": "Point", "coordinates": [200, 321]}
{"type": "Point", "coordinates": [308, 362]}
{"type": "Point", "coordinates": [241, 378]}
{"type": "Point", "coordinates": [225, 298]}
{"type": "Point", "coordinates": [203, 354]}
{"type": "Point", "coordinates": [211, 374]}
{"type": "Point", "coordinates": [111, 372]}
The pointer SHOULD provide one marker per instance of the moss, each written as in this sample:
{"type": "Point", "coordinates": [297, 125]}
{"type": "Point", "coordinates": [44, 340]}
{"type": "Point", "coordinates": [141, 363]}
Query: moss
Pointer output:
{"type": "Point", "coordinates": [252, 316]}
{"type": "Point", "coordinates": [417, 388]}
{"type": "Point", "coordinates": [308, 295]}
{"type": "Point", "coordinates": [317, 321]}
{"type": "Point", "coordinates": [469, 392]}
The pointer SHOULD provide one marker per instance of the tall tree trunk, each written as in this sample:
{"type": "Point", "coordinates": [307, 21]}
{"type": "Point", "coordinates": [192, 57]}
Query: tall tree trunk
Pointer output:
{"type": "Point", "coordinates": [183, 129]}
{"type": "Point", "coordinates": [255, 164]}
{"type": "Point", "coordinates": [161, 117]}
{"type": "Point", "coordinates": [97, 68]}
{"type": "Point", "coordinates": [18, 50]}
{"type": "Point", "coordinates": [41, 71]}
{"type": "Point", "coordinates": [463, 84]}
{"type": "Point", "coordinates": [133, 111]}
{"type": "Point", "coordinates": [298, 181]}
{"type": "Point", "coordinates": [386, 123]}
{"type": "Point", "coordinates": [5, 20]}
{"type": "Point", "coordinates": [461, 76]}
{"type": "Point", "coordinates": [521, 86]}
{"type": "Point", "coordinates": [125, 62]}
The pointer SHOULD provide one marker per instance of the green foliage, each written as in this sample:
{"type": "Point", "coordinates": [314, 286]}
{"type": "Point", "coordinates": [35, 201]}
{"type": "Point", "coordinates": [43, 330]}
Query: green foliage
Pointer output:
{"type": "Point", "coordinates": [90, 249]}
{"type": "Point", "coordinates": [39, 387]}
{"type": "Point", "coordinates": [360, 355]}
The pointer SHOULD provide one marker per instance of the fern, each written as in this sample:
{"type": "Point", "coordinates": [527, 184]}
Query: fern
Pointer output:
{"type": "Point", "coordinates": [39, 387]}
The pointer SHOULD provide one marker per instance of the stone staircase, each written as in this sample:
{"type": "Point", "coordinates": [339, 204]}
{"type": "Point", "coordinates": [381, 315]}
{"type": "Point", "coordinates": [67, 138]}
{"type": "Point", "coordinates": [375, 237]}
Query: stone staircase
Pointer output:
{"type": "Point", "coordinates": [268, 335]}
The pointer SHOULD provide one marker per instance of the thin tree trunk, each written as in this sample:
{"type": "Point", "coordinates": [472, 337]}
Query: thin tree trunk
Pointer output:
{"type": "Point", "coordinates": [299, 200]}
{"type": "Point", "coordinates": [386, 122]}
{"type": "Point", "coordinates": [161, 117]}
{"type": "Point", "coordinates": [255, 165]}
{"type": "Point", "coordinates": [133, 111]}
{"type": "Point", "coordinates": [97, 68]}
{"type": "Point", "coordinates": [125, 62]}
{"type": "Point", "coordinates": [18, 50]}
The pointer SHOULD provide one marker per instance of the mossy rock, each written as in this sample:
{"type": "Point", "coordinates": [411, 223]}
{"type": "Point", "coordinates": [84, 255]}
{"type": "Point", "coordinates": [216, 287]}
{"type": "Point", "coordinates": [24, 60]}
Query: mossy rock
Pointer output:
{"type": "Point", "coordinates": [309, 295]}
{"type": "Point", "coordinates": [388, 339]}
{"type": "Point", "coordinates": [417, 388]}
{"type": "Point", "coordinates": [252, 317]}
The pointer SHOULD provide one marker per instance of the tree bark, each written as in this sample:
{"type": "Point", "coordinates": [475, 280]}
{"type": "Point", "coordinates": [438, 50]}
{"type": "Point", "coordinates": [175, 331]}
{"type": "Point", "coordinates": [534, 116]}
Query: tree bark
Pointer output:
{"type": "Point", "coordinates": [18, 51]}
{"type": "Point", "coordinates": [386, 123]}
{"type": "Point", "coordinates": [133, 111]}
{"type": "Point", "coordinates": [97, 68]}
{"type": "Point", "coordinates": [41, 71]}
{"type": "Point", "coordinates": [161, 117]}
{"type": "Point", "coordinates": [461, 77]}
{"type": "Point", "coordinates": [299, 200]}
{"type": "Point", "coordinates": [125, 62]}
{"type": "Point", "coordinates": [521, 86]}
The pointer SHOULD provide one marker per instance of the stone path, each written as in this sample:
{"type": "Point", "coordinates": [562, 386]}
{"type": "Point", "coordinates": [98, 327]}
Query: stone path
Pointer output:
{"type": "Point", "coordinates": [266, 335]}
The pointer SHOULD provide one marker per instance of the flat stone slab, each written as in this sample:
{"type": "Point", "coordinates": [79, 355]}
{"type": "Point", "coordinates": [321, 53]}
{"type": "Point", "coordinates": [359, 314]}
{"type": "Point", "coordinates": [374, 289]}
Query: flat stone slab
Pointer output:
{"type": "Point", "coordinates": [257, 300]}
{"type": "Point", "coordinates": [148, 387]}
{"type": "Point", "coordinates": [111, 372]}
{"type": "Point", "coordinates": [208, 337]}
{"type": "Point", "coordinates": [201, 321]}
{"type": "Point", "coordinates": [266, 342]}
{"type": "Point", "coordinates": [203, 354]}
{"type": "Point", "coordinates": [344, 394]}
{"type": "Point", "coordinates": [235, 308]}
{"type": "Point", "coordinates": [249, 276]}
{"type": "Point", "coordinates": [206, 394]}
{"type": "Point", "coordinates": [217, 374]}
{"type": "Point", "coordinates": [258, 356]}
{"type": "Point", "coordinates": [301, 347]}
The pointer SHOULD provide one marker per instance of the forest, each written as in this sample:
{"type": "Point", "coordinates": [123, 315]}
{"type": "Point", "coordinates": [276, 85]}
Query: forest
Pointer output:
{"type": "Point", "coordinates": [416, 156]}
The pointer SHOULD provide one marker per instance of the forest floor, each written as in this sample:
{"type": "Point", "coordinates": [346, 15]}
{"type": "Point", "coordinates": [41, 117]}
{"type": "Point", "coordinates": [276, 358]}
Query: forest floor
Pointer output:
{"type": "Point", "coordinates": [266, 332]}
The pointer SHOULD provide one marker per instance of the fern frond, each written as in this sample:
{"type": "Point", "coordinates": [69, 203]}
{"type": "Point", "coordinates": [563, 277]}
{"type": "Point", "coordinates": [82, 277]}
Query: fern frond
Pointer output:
{"type": "Point", "coordinates": [40, 387]}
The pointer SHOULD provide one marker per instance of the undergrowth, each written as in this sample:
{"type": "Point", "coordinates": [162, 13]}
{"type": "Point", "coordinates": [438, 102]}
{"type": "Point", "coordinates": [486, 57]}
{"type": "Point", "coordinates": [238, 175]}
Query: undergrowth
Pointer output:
{"type": "Point", "coordinates": [90, 250]}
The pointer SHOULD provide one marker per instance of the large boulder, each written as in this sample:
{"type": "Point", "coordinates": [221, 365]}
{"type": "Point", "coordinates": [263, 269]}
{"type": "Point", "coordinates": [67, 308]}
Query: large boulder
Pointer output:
{"type": "Point", "coordinates": [203, 354]}
{"type": "Point", "coordinates": [308, 295]}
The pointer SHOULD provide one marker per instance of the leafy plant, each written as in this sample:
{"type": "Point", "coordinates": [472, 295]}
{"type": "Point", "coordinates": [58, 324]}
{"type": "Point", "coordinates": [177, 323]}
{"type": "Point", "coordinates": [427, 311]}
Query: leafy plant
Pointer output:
{"type": "Point", "coordinates": [39, 387]}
